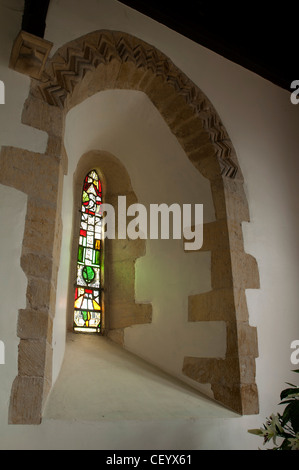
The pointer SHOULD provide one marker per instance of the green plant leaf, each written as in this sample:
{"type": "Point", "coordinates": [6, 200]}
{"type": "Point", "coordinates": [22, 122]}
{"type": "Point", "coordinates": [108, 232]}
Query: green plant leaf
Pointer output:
{"type": "Point", "coordinates": [294, 418]}
{"type": "Point", "coordinates": [284, 402]}
{"type": "Point", "coordinates": [286, 425]}
{"type": "Point", "coordinates": [257, 432]}
{"type": "Point", "coordinates": [285, 445]}
{"type": "Point", "coordinates": [291, 414]}
{"type": "Point", "coordinates": [289, 391]}
{"type": "Point", "coordinates": [286, 415]}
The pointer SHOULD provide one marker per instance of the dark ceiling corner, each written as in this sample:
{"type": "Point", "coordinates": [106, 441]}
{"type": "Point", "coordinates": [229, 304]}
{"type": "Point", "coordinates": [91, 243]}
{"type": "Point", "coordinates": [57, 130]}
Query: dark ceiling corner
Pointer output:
{"type": "Point", "coordinates": [34, 17]}
{"type": "Point", "coordinates": [30, 50]}
{"type": "Point", "coordinates": [258, 35]}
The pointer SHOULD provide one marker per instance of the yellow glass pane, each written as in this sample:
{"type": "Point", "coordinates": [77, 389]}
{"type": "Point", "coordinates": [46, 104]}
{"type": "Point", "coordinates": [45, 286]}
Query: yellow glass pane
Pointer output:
{"type": "Point", "coordinates": [98, 245]}
{"type": "Point", "coordinates": [96, 305]}
{"type": "Point", "coordinates": [78, 302]}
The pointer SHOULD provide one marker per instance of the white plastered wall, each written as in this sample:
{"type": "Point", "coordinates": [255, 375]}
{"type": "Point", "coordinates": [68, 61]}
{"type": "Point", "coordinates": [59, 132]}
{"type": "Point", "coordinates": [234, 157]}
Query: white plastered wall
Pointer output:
{"type": "Point", "coordinates": [263, 126]}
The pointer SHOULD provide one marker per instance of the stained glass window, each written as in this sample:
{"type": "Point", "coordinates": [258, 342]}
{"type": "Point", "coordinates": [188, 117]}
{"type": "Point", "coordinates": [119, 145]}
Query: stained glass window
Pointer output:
{"type": "Point", "coordinates": [87, 304]}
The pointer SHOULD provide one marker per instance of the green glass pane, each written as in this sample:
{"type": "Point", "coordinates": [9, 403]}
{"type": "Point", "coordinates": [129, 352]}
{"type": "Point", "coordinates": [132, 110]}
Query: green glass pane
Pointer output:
{"type": "Point", "coordinates": [85, 197]}
{"type": "Point", "coordinates": [80, 254]}
{"type": "Point", "coordinates": [97, 258]}
{"type": "Point", "coordinates": [88, 274]}
{"type": "Point", "coordinates": [84, 315]}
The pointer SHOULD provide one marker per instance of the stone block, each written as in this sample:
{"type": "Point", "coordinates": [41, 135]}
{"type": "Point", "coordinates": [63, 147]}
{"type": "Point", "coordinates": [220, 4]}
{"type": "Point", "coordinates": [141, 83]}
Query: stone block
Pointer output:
{"type": "Point", "coordinates": [29, 54]}
{"type": "Point", "coordinates": [247, 340]}
{"type": "Point", "coordinates": [146, 82]}
{"type": "Point", "coordinates": [35, 359]}
{"type": "Point", "coordinates": [102, 77]}
{"type": "Point", "coordinates": [40, 227]}
{"type": "Point", "coordinates": [247, 369]}
{"type": "Point", "coordinates": [160, 93]}
{"type": "Point", "coordinates": [129, 77]}
{"type": "Point", "coordinates": [206, 161]}
{"type": "Point", "coordinates": [125, 314]}
{"type": "Point", "coordinates": [218, 196]}
{"type": "Point", "coordinates": [32, 173]}
{"type": "Point", "coordinates": [40, 295]}
{"type": "Point", "coordinates": [26, 400]}
{"type": "Point", "coordinates": [33, 324]}
{"type": "Point", "coordinates": [221, 269]}
{"type": "Point", "coordinates": [215, 236]}
{"type": "Point", "coordinates": [181, 123]}
{"type": "Point", "coordinates": [172, 108]}
{"type": "Point", "coordinates": [39, 114]}
{"type": "Point", "coordinates": [191, 130]}
{"type": "Point", "coordinates": [215, 305]}
{"type": "Point", "coordinates": [229, 396]}
{"type": "Point", "coordinates": [245, 270]}
{"type": "Point", "coordinates": [117, 336]}
{"type": "Point", "coordinates": [250, 399]}
{"type": "Point", "coordinates": [213, 371]}
{"type": "Point", "coordinates": [236, 201]}
{"type": "Point", "coordinates": [235, 234]}
{"type": "Point", "coordinates": [37, 265]}
{"type": "Point", "coordinates": [55, 147]}
{"type": "Point", "coordinates": [241, 305]}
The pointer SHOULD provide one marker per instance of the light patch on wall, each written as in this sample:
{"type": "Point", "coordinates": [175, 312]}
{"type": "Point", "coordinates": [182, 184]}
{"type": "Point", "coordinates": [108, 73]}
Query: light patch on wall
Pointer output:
{"type": "Point", "coordinates": [13, 282]}
{"type": "Point", "coordinates": [2, 92]}
{"type": "Point", "coordinates": [2, 353]}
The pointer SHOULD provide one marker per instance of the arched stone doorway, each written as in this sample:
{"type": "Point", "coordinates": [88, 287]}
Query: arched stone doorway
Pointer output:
{"type": "Point", "coordinates": [108, 60]}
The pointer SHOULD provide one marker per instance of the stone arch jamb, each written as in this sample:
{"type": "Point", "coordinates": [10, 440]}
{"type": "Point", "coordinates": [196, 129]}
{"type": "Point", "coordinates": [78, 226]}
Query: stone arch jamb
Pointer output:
{"type": "Point", "coordinates": [106, 60]}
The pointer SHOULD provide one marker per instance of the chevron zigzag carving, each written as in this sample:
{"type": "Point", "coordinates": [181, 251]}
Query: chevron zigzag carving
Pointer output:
{"type": "Point", "coordinates": [71, 63]}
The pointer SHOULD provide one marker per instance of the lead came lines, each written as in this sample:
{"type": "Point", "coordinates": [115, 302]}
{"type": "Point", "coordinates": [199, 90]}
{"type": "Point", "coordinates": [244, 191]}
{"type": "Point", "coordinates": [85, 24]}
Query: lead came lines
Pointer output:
{"type": "Point", "coordinates": [87, 305]}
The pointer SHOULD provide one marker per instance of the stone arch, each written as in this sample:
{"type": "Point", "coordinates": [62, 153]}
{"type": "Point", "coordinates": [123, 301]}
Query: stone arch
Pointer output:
{"type": "Point", "coordinates": [105, 60]}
